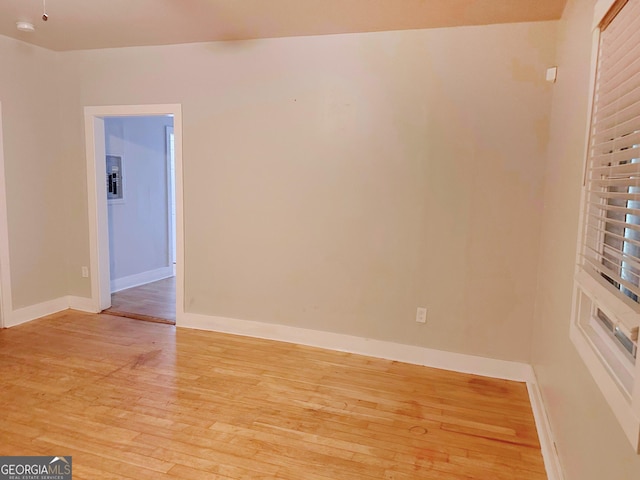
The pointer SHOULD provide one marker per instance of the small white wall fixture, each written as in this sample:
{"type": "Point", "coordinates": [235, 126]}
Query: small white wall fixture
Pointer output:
{"type": "Point", "coordinates": [97, 196]}
{"type": "Point", "coordinates": [5, 276]}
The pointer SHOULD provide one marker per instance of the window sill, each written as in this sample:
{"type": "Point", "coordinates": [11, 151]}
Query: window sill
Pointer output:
{"type": "Point", "coordinates": [622, 394]}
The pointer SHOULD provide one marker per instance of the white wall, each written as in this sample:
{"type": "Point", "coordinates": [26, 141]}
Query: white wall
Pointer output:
{"type": "Point", "coordinates": [139, 225]}
{"type": "Point", "coordinates": [36, 173]}
{"type": "Point", "coordinates": [338, 182]}
{"type": "Point", "coordinates": [591, 444]}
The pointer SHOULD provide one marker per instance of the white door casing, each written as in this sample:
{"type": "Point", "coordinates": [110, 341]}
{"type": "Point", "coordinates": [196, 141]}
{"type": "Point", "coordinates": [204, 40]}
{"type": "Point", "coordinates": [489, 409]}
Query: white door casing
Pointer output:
{"type": "Point", "coordinates": [97, 197]}
{"type": "Point", "coordinates": [5, 273]}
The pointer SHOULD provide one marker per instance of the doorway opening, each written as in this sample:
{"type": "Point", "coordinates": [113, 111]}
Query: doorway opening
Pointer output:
{"type": "Point", "coordinates": [140, 211]}
{"type": "Point", "coordinates": [134, 171]}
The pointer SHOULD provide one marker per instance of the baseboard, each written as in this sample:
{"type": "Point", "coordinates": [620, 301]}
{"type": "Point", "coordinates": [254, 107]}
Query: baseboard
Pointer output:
{"type": "Point", "coordinates": [547, 443]}
{"type": "Point", "coordinates": [26, 314]}
{"type": "Point", "coordinates": [458, 362]}
{"type": "Point", "coordinates": [141, 278]}
{"type": "Point", "coordinates": [83, 304]}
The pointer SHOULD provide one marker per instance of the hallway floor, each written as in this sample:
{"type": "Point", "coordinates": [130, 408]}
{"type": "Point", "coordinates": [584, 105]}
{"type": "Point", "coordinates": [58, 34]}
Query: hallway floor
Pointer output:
{"type": "Point", "coordinates": [155, 302]}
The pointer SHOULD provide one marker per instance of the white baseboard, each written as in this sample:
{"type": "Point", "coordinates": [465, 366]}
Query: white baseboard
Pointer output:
{"type": "Point", "coordinates": [547, 443]}
{"type": "Point", "coordinates": [33, 312]}
{"type": "Point", "coordinates": [26, 314]}
{"type": "Point", "coordinates": [458, 362]}
{"type": "Point", "coordinates": [83, 304]}
{"type": "Point", "coordinates": [143, 278]}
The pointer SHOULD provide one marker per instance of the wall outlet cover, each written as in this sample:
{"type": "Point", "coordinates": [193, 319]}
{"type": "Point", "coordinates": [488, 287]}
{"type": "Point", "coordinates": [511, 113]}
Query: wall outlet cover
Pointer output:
{"type": "Point", "coordinates": [421, 315]}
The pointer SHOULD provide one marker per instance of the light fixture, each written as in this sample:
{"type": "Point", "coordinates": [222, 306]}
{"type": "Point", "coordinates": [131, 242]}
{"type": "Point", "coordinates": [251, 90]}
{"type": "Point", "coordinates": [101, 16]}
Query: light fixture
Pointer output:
{"type": "Point", "coordinates": [25, 26]}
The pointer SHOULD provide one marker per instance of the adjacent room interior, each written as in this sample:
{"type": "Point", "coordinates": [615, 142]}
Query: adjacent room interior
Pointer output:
{"type": "Point", "coordinates": [364, 218]}
{"type": "Point", "coordinates": [139, 154]}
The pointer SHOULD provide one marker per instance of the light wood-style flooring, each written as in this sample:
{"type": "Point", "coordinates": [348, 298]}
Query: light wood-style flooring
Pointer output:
{"type": "Point", "coordinates": [138, 400]}
{"type": "Point", "coordinates": [155, 302]}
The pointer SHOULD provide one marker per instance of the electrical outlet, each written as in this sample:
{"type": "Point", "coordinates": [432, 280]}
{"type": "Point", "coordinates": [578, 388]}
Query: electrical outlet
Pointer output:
{"type": "Point", "coordinates": [421, 315]}
{"type": "Point", "coordinates": [85, 272]}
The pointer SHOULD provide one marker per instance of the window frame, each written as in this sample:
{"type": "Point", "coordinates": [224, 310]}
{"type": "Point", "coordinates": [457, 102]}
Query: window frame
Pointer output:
{"type": "Point", "coordinates": [616, 377]}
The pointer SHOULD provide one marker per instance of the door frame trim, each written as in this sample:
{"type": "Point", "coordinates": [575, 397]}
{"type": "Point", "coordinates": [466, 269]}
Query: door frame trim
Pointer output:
{"type": "Point", "coordinates": [6, 304]}
{"type": "Point", "coordinates": [97, 197]}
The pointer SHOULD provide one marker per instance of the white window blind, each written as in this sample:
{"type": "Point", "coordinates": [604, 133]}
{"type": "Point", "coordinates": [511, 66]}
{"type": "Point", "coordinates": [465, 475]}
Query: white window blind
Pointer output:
{"type": "Point", "coordinates": [611, 247]}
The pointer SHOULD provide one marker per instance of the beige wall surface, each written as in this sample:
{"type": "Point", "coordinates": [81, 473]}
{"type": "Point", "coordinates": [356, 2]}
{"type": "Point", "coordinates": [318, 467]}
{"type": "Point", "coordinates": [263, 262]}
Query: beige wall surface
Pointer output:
{"type": "Point", "coordinates": [591, 444]}
{"type": "Point", "coordinates": [35, 173]}
{"type": "Point", "coordinates": [338, 182]}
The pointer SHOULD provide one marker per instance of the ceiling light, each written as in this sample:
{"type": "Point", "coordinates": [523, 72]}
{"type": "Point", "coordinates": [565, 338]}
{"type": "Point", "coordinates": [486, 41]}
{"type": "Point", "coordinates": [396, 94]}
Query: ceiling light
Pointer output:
{"type": "Point", "coordinates": [25, 26]}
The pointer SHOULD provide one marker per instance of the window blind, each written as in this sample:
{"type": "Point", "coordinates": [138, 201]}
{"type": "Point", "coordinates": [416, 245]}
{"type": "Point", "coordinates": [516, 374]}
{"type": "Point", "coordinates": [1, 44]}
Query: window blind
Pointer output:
{"type": "Point", "coordinates": [611, 247]}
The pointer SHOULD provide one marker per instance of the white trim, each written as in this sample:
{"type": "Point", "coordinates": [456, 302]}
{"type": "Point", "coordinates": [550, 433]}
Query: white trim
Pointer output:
{"type": "Point", "coordinates": [97, 200]}
{"type": "Point", "coordinates": [39, 310]}
{"type": "Point", "coordinates": [617, 400]}
{"type": "Point", "coordinates": [82, 304]}
{"type": "Point", "coordinates": [458, 362]}
{"type": "Point", "coordinates": [619, 311]}
{"type": "Point", "coordinates": [624, 405]}
{"type": "Point", "coordinates": [179, 222]}
{"type": "Point", "coordinates": [32, 312]}
{"type": "Point", "coordinates": [595, 50]}
{"type": "Point", "coordinates": [600, 10]}
{"type": "Point", "coordinates": [142, 278]}
{"type": "Point", "coordinates": [550, 455]}
{"type": "Point", "coordinates": [97, 195]}
{"type": "Point", "coordinates": [6, 307]}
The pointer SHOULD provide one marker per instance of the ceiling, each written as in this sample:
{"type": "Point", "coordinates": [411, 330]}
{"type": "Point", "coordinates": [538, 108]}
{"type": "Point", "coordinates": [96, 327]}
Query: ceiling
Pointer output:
{"type": "Point", "coordinates": [87, 24]}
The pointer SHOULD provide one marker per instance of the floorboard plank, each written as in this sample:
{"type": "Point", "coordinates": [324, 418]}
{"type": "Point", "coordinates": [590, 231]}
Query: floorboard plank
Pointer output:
{"type": "Point", "coordinates": [136, 400]}
{"type": "Point", "coordinates": [151, 302]}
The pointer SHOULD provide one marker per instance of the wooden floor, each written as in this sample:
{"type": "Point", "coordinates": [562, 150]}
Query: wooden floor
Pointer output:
{"type": "Point", "coordinates": [138, 400]}
{"type": "Point", "coordinates": [154, 302]}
